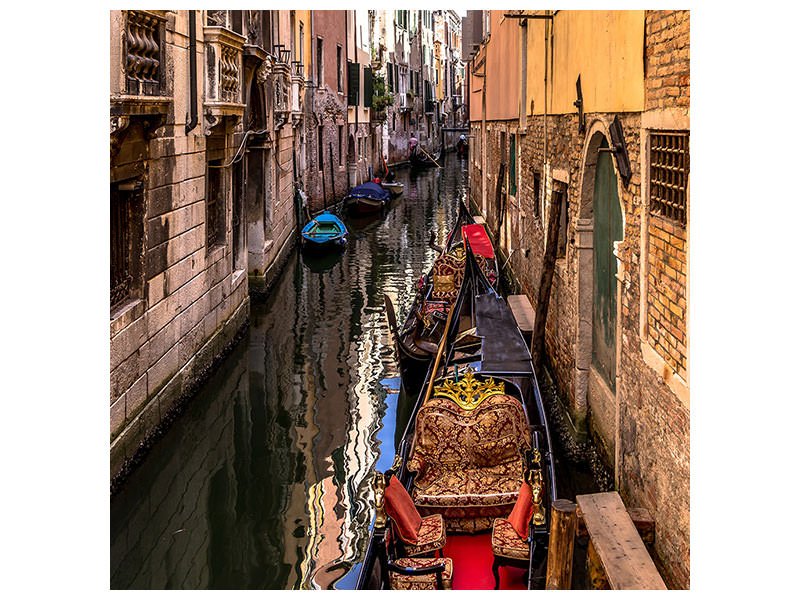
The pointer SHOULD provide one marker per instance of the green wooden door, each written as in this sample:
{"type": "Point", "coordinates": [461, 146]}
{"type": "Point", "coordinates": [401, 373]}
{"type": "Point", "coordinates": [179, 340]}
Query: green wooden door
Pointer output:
{"type": "Point", "coordinates": [607, 229]}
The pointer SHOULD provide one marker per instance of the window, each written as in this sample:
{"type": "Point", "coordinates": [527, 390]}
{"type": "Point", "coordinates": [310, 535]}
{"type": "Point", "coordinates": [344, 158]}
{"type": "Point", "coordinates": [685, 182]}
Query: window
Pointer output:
{"type": "Point", "coordinates": [302, 43]}
{"type": "Point", "coordinates": [127, 235]}
{"type": "Point", "coordinates": [215, 205]}
{"type": "Point", "coordinates": [394, 121]}
{"type": "Point", "coordinates": [341, 142]}
{"type": "Point", "coordinates": [319, 62]}
{"type": "Point", "coordinates": [537, 193]}
{"type": "Point", "coordinates": [352, 83]}
{"type": "Point", "coordinates": [669, 175]}
{"type": "Point", "coordinates": [339, 75]}
{"type": "Point", "coordinates": [320, 156]}
{"type": "Point", "coordinates": [512, 166]}
{"type": "Point", "coordinates": [560, 195]}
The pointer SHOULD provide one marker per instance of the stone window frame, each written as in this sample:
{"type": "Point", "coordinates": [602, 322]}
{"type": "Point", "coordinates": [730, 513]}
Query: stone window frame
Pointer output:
{"type": "Point", "coordinates": [559, 182]}
{"type": "Point", "coordinates": [657, 121]}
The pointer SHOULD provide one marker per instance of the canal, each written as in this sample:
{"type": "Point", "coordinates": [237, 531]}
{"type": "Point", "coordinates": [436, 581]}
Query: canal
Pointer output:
{"type": "Point", "coordinates": [264, 482]}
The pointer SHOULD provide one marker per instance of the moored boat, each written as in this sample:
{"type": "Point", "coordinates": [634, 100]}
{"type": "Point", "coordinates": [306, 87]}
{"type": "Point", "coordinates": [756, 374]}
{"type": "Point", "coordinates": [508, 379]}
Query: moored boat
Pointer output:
{"type": "Point", "coordinates": [395, 188]}
{"type": "Point", "coordinates": [368, 197]}
{"type": "Point", "coordinates": [324, 231]}
{"type": "Point", "coordinates": [466, 504]}
{"type": "Point", "coordinates": [416, 342]}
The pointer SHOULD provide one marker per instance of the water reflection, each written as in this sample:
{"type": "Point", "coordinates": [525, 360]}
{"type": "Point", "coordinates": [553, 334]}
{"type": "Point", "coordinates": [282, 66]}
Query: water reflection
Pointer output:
{"type": "Point", "coordinates": [264, 481]}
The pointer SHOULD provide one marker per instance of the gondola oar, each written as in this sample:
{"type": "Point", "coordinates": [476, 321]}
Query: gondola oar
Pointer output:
{"type": "Point", "coordinates": [439, 354]}
{"type": "Point", "coordinates": [429, 156]}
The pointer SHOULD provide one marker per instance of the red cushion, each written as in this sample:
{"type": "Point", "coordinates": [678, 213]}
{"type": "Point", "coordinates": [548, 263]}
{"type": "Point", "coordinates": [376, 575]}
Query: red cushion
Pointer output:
{"type": "Point", "coordinates": [522, 512]}
{"type": "Point", "coordinates": [402, 511]}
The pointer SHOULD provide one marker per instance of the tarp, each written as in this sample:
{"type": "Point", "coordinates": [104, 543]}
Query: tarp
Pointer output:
{"type": "Point", "coordinates": [503, 349]}
{"type": "Point", "coordinates": [370, 190]}
{"type": "Point", "coordinates": [478, 240]}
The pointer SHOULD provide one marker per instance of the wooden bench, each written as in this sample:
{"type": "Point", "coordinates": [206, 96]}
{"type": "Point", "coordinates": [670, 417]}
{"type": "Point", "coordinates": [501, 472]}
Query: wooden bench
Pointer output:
{"type": "Point", "coordinates": [615, 546]}
{"type": "Point", "coordinates": [523, 313]}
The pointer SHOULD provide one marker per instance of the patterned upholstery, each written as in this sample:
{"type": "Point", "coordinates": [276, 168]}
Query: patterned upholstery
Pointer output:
{"type": "Point", "coordinates": [469, 462]}
{"type": "Point", "coordinates": [448, 273]}
{"type": "Point", "coordinates": [400, 581]}
{"type": "Point", "coordinates": [506, 542]}
{"type": "Point", "coordinates": [431, 536]}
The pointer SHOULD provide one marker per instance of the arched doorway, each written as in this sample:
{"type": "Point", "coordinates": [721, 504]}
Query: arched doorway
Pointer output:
{"type": "Point", "coordinates": [607, 230]}
{"type": "Point", "coordinates": [599, 226]}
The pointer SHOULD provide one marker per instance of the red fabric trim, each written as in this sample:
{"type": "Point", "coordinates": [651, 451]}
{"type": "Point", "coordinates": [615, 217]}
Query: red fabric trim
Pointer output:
{"type": "Point", "coordinates": [478, 240]}
{"type": "Point", "coordinates": [522, 512]}
{"type": "Point", "coordinates": [402, 511]}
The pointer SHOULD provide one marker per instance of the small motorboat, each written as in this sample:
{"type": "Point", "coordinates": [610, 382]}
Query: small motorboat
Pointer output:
{"type": "Point", "coordinates": [367, 198]}
{"type": "Point", "coordinates": [325, 230]}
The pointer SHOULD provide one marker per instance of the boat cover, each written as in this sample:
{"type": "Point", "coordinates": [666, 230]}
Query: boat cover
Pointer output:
{"type": "Point", "coordinates": [370, 190]}
{"type": "Point", "coordinates": [478, 240]}
{"type": "Point", "coordinates": [503, 349]}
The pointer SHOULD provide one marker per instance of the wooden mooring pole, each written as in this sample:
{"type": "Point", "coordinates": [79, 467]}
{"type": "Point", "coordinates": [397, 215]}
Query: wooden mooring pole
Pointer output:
{"type": "Point", "coordinates": [564, 521]}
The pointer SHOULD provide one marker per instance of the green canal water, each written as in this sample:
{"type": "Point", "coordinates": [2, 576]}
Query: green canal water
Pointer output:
{"type": "Point", "coordinates": [264, 481]}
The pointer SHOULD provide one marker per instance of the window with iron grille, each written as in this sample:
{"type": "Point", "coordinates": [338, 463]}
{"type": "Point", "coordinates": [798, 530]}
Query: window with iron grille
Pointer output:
{"type": "Point", "coordinates": [669, 175]}
{"type": "Point", "coordinates": [215, 205]}
{"type": "Point", "coordinates": [127, 234]}
{"type": "Point", "coordinates": [537, 193]}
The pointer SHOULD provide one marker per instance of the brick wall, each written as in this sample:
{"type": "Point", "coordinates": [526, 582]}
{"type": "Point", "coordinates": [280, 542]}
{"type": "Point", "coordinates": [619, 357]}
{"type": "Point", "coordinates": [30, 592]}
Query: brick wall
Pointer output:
{"type": "Point", "coordinates": [666, 299]}
{"type": "Point", "coordinates": [653, 425]}
{"type": "Point", "coordinates": [667, 59]}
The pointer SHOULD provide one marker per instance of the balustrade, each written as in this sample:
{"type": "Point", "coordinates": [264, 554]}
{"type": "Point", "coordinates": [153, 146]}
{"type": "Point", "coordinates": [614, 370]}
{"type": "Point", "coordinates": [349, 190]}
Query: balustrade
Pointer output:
{"type": "Point", "coordinates": [144, 35]}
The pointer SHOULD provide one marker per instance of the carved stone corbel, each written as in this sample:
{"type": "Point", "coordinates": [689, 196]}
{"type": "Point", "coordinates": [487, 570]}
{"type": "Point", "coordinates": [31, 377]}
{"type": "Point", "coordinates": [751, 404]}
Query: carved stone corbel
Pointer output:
{"type": "Point", "coordinates": [212, 121]}
{"type": "Point", "coordinates": [119, 124]}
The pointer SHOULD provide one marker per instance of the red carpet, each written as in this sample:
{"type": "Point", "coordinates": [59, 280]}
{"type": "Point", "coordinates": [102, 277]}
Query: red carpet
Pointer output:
{"type": "Point", "coordinates": [472, 564]}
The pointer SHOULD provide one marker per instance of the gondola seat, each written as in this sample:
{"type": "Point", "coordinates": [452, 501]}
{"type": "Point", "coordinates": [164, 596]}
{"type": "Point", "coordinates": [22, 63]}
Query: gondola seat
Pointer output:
{"type": "Point", "coordinates": [510, 541]}
{"type": "Point", "coordinates": [416, 535]}
{"type": "Point", "coordinates": [407, 580]}
{"type": "Point", "coordinates": [469, 461]}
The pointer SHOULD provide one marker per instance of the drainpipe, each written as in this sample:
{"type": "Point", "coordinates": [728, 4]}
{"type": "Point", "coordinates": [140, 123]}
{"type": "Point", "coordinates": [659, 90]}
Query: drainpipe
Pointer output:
{"type": "Point", "coordinates": [192, 123]}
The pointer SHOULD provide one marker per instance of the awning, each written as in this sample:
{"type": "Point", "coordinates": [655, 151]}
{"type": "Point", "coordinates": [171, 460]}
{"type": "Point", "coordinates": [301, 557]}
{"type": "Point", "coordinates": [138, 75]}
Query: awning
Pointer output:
{"type": "Point", "coordinates": [478, 240]}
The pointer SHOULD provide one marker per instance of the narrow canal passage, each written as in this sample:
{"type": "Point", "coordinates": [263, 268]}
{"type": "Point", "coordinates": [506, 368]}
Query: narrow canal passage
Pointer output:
{"type": "Point", "coordinates": [264, 481]}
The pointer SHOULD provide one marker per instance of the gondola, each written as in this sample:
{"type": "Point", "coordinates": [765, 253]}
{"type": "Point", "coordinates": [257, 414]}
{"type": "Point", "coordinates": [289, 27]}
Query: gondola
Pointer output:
{"type": "Point", "coordinates": [417, 341]}
{"type": "Point", "coordinates": [466, 503]}
{"type": "Point", "coordinates": [423, 160]}
{"type": "Point", "coordinates": [323, 232]}
{"type": "Point", "coordinates": [369, 197]}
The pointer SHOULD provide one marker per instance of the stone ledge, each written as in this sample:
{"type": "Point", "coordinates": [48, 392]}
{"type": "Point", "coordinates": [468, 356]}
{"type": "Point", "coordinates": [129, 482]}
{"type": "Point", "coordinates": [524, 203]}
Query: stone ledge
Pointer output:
{"type": "Point", "coordinates": [675, 382]}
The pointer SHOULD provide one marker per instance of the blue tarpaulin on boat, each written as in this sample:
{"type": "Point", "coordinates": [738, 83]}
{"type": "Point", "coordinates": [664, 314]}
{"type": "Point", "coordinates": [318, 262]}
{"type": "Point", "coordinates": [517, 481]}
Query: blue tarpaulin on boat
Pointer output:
{"type": "Point", "coordinates": [370, 190]}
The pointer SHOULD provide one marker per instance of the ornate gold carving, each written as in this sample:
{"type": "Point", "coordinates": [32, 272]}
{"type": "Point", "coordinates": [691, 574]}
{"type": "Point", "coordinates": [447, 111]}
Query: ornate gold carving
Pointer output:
{"type": "Point", "coordinates": [458, 254]}
{"type": "Point", "coordinates": [536, 482]}
{"type": "Point", "coordinates": [469, 392]}
{"type": "Point", "coordinates": [379, 486]}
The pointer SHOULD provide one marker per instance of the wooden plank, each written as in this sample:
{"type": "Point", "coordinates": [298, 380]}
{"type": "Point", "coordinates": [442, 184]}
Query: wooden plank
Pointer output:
{"type": "Point", "coordinates": [642, 520]}
{"type": "Point", "coordinates": [523, 312]}
{"type": "Point", "coordinates": [621, 551]}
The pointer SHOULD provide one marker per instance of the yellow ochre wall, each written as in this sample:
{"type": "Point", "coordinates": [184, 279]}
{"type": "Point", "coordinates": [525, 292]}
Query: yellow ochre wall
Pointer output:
{"type": "Point", "coordinates": [604, 47]}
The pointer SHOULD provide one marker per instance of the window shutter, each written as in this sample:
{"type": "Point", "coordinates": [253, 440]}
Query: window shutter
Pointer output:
{"type": "Point", "coordinates": [390, 79]}
{"type": "Point", "coordinates": [352, 84]}
{"type": "Point", "coordinates": [367, 87]}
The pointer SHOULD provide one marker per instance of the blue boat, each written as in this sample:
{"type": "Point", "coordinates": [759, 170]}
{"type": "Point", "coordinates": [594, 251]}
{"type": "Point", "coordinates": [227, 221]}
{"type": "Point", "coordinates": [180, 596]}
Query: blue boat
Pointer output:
{"type": "Point", "coordinates": [323, 231]}
{"type": "Point", "coordinates": [367, 197]}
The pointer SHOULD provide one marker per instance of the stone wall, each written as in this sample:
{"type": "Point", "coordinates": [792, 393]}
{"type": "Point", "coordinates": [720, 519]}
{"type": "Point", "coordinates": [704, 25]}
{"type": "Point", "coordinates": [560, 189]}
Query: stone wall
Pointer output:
{"type": "Point", "coordinates": [187, 303]}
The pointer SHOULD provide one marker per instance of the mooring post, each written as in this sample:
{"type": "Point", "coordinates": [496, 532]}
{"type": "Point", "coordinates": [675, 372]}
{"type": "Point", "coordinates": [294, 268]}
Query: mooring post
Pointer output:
{"type": "Point", "coordinates": [563, 522]}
